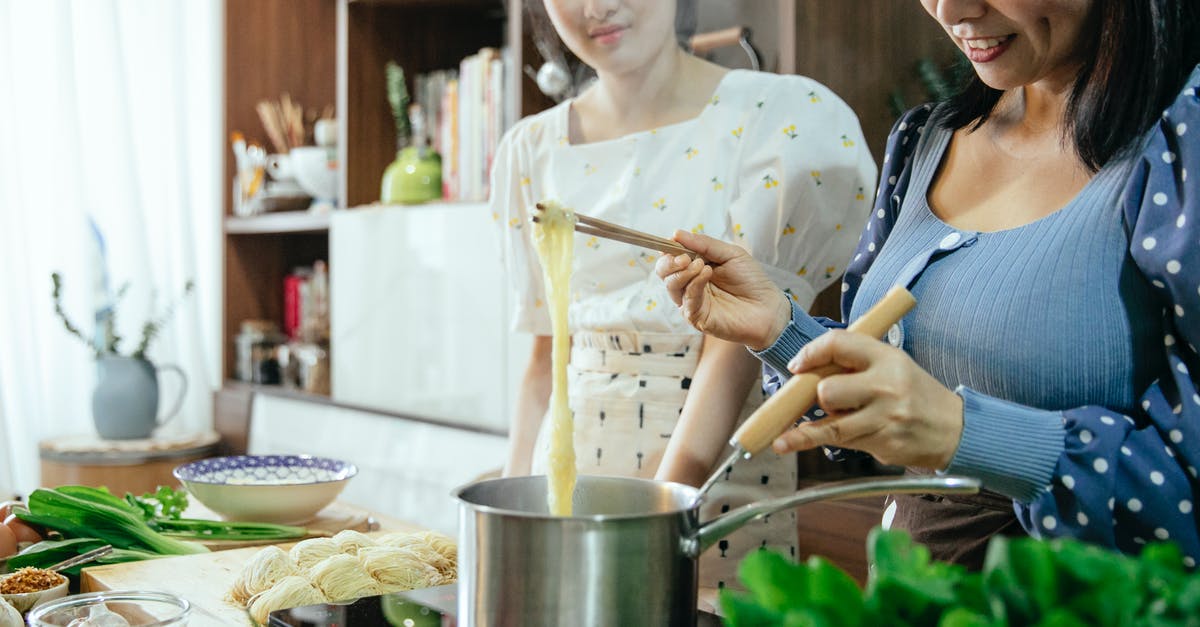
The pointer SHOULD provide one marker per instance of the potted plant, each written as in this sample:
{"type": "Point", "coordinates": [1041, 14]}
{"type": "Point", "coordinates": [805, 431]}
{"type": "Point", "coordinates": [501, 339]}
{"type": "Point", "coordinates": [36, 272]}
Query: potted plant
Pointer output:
{"type": "Point", "coordinates": [125, 399]}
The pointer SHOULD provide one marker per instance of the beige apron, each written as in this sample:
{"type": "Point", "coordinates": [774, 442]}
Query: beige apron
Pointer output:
{"type": "Point", "coordinates": [627, 390]}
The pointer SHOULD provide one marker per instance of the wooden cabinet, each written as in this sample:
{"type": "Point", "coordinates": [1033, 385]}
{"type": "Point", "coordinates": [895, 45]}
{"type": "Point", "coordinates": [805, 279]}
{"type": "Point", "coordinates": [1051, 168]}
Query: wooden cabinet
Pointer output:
{"type": "Point", "coordinates": [325, 52]}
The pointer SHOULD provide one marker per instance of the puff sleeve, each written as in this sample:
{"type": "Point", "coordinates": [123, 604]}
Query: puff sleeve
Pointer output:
{"type": "Point", "coordinates": [510, 200]}
{"type": "Point", "coordinates": [1125, 480]}
{"type": "Point", "coordinates": [804, 181]}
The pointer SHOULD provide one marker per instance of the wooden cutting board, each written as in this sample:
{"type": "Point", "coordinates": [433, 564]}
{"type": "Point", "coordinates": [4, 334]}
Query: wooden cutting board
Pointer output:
{"type": "Point", "coordinates": [202, 579]}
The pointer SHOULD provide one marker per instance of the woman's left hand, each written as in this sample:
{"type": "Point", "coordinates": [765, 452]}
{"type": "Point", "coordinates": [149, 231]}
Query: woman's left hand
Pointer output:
{"type": "Point", "coordinates": [884, 404]}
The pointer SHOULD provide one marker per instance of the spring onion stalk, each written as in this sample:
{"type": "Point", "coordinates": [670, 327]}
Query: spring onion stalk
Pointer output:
{"type": "Point", "coordinates": [81, 512]}
{"type": "Point", "coordinates": [217, 530]}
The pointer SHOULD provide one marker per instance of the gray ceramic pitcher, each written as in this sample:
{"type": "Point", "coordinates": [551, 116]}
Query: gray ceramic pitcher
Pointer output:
{"type": "Point", "coordinates": [125, 401]}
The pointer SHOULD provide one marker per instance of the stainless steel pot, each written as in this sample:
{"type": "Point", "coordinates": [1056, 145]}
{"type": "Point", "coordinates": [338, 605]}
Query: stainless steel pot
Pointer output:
{"type": "Point", "coordinates": [627, 556]}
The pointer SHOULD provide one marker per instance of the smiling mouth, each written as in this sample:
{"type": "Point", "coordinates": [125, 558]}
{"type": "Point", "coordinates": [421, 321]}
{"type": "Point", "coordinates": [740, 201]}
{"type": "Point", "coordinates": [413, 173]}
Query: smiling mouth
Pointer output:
{"type": "Point", "coordinates": [987, 43]}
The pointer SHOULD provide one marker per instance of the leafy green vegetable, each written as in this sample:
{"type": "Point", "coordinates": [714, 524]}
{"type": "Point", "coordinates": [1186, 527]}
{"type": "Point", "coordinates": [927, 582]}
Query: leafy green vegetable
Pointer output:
{"type": "Point", "coordinates": [50, 552]}
{"type": "Point", "coordinates": [82, 512]}
{"type": "Point", "coordinates": [1056, 583]}
{"type": "Point", "coordinates": [163, 509]}
{"type": "Point", "coordinates": [137, 527]}
{"type": "Point", "coordinates": [162, 503]}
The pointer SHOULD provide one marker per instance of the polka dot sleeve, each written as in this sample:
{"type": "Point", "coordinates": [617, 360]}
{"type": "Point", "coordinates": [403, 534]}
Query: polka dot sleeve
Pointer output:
{"type": "Point", "coordinates": [893, 186]}
{"type": "Point", "coordinates": [1123, 481]}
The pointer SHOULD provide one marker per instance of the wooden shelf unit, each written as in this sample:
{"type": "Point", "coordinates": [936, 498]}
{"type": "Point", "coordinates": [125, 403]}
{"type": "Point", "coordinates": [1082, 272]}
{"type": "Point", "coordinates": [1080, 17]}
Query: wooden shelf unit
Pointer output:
{"type": "Point", "coordinates": [277, 223]}
{"type": "Point", "coordinates": [324, 52]}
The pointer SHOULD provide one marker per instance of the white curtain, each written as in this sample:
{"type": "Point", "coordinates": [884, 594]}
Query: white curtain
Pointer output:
{"type": "Point", "coordinates": [110, 113]}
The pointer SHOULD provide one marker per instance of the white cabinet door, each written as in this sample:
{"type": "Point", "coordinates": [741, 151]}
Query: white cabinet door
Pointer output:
{"type": "Point", "coordinates": [420, 314]}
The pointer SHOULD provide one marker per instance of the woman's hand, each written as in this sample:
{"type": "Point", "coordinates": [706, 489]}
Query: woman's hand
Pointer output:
{"type": "Point", "coordinates": [885, 404]}
{"type": "Point", "coordinates": [732, 300]}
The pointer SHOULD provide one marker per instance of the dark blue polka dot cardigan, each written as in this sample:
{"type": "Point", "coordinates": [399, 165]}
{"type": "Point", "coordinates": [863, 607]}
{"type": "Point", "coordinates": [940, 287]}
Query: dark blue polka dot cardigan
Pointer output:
{"type": "Point", "coordinates": [1117, 469]}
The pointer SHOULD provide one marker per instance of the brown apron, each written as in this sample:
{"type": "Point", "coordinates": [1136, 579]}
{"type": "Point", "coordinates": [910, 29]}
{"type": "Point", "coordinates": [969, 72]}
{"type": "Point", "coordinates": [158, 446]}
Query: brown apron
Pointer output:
{"type": "Point", "coordinates": [956, 528]}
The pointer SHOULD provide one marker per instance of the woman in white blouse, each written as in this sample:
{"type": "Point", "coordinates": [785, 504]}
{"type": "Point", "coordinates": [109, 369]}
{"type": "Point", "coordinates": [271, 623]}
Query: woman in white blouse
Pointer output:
{"type": "Point", "coordinates": [664, 140]}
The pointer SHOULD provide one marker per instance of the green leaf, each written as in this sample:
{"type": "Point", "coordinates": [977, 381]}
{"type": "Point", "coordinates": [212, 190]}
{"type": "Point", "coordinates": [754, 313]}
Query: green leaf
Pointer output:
{"type": "Point", "coordinates": [164, 502]}
{"type": "Point", "coordinates": [1061, 617]}
{"type": "Point", "coordinates": [47, 553]}
{"type": "Point", "coordinates": [774, 581]}
{"type": "Point", "coordinates": [833, 592]}
{"type": "Point", "coordinates": [963, 617]}
{"type": "Point", "coordinates": [740, 610]}
{"type": "Point", "coordinates": [906, 584]}
{"type": "Point", "coordinates": [1021, 574]}
{"type": "Point", "coordinates": [50, 552]}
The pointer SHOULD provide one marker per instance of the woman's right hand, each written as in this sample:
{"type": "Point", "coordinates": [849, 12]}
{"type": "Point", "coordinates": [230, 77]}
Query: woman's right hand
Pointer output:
{"type": "Point", "coordinates": [732, 299]}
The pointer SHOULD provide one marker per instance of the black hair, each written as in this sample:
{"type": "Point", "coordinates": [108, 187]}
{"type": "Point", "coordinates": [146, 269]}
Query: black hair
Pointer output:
{"type": "Point", "coordinates": [1136, 59]}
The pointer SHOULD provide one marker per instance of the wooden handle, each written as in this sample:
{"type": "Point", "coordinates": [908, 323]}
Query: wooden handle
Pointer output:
{"type": "Point", "coordinates": [795, 397]}
{"type": "Point", "coordinates": [703, 42]}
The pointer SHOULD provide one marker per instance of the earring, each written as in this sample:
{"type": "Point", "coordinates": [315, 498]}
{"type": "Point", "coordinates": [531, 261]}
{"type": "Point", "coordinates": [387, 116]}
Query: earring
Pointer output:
{"type": "Point", "coordinates": [553, 79]}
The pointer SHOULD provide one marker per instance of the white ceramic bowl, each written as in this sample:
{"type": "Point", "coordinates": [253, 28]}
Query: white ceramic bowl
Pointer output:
{"type": "Point", "coordinates": [287, 489]}
{"type": "Point", "coordinates": [139, 609]}
{"type": "Point", "coordinates": [316, 170]}
{"type": "Point", "coordinates": [26, 600]}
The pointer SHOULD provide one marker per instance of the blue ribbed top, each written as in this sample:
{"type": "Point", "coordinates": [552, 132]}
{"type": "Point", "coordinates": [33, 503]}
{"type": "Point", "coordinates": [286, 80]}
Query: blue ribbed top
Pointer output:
{"type": "Point", "coordinates": [1072, 339]}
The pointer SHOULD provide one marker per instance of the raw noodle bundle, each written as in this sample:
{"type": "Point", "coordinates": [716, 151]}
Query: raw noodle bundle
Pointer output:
{"type": "Point", "coordinates": [307, 553]}
{"type": "Point", "coordinates": [342, 578]}
{"type": "Point", "coordinates": [440, 543]}
{"type": "Point", "coordinates": [349, 565]}
{"type": "Point", "coordinates": [350, 541]}
{"type": "Point", "coordinates": [266, 568]}
{"type": "Point", "coordinates": [288, 592]}
{"type": "Point", "coordinates": [398, 570]}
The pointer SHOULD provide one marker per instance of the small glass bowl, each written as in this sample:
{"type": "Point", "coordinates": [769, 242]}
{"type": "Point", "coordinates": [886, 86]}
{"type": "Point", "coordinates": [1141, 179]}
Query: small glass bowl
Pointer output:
{"type": "Point", "coordinates": [139, 609]}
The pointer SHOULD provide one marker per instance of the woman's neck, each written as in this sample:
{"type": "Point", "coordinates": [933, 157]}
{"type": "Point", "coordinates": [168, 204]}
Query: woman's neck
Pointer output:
{"type": "Point", "coordinates": [672, 88]}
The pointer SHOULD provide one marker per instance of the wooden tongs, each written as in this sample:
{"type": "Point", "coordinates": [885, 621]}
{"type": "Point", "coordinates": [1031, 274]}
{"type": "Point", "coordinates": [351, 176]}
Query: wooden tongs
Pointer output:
{"type": "Point", "coordinates": [782, 410]}
{"type": "Point", "coordinates": [616, 232]}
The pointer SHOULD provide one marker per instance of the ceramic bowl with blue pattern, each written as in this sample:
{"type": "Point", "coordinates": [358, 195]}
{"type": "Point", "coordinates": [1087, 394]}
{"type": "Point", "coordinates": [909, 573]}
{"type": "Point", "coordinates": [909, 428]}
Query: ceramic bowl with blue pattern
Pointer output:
{"type": "Point", "coordinates": [286, 489]}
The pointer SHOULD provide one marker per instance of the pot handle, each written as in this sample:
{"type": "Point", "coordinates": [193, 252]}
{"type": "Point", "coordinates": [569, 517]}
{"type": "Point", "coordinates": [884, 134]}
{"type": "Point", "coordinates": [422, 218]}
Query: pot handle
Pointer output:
{"type": "Point", "coordinates": [712, 531]}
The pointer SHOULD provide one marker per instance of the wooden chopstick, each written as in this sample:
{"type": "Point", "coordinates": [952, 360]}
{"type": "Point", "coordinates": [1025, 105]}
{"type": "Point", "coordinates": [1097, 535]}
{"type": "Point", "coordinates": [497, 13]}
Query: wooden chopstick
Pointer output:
{"type": "Point", "coordinates": [616, 228]}
{"type": "Point", "coordinates": [652, 244]}
{"type": "Point", "coordinates": [608, 230]}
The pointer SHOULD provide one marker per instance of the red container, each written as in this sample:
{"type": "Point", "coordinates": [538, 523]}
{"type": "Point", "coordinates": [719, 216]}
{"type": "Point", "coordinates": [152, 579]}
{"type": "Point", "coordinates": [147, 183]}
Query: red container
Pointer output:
{"type": "Point", "coordinates": [292, 304]}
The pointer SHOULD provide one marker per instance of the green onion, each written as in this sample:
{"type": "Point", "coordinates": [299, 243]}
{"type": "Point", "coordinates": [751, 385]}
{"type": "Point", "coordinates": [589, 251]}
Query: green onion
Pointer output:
{"type": "Point", "coordinates": [218, 530]}
{"type": "Point", "coordinates": [80, 512]}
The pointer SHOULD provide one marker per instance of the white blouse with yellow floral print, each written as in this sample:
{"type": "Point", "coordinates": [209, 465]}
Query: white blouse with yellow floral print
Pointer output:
{"type": "Point", "coordinates": [774, 163]}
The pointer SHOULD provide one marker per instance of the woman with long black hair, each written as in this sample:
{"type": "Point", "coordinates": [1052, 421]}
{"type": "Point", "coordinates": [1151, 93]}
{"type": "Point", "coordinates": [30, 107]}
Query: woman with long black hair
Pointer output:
{"type": "Point", "coordinates": [1047, 219]}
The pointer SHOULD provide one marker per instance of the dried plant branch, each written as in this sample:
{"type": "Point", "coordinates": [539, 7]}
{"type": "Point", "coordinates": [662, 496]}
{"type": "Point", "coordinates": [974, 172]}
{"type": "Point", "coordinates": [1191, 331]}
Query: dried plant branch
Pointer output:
{"type": "Point", "coordinates": [112, 340]}
{"type": "Point", "coordinates": [62, 315]}
{"type": "Point", "coordinates": [152, 327]}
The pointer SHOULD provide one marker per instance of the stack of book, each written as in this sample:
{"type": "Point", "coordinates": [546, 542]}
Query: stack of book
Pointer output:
{"type": "Point", "coordinates": [467, 116]}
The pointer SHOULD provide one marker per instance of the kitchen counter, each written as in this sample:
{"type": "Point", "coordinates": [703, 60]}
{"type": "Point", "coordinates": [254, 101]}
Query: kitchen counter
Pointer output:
{"type": "Point", "coordinates": [204, 580]}
{"type": "Point", "coordinates": [201, 579]}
